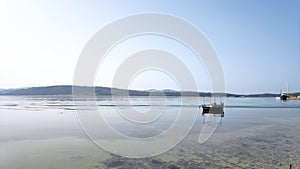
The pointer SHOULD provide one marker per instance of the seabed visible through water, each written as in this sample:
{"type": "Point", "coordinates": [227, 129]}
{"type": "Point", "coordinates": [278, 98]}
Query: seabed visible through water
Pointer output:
{"type": "Point", "coordinates": [43, 132]}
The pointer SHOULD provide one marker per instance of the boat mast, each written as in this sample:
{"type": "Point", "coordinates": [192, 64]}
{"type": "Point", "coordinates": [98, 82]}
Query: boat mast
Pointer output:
{"type": "Point", "coordinates": [280, 91]}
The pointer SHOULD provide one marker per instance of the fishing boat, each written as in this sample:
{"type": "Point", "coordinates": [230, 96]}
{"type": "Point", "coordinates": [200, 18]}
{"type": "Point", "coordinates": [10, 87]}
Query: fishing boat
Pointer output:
{"type": "Point", "coordinates": [213, 108]}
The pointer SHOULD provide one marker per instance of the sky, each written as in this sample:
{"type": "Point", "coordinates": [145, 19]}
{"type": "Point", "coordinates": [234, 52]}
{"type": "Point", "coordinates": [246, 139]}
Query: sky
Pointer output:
{"type": "Point", "coordinates": [258, 42]}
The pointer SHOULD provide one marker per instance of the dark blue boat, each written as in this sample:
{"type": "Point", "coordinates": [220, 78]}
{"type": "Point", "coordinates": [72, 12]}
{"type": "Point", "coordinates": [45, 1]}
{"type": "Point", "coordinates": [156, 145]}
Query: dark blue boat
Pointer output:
{"type": "Point", "coordinates": [284, 96]}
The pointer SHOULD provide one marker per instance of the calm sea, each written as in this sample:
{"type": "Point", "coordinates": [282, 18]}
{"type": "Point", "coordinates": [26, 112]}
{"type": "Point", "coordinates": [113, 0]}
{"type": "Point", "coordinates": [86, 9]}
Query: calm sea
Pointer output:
{"type": "Point", "coordinates": [43, 132]}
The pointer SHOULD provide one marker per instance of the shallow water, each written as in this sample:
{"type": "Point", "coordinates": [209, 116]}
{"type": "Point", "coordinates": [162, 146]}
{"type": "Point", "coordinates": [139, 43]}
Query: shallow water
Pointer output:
{"type": "Point", "coordinates": [44, 132]}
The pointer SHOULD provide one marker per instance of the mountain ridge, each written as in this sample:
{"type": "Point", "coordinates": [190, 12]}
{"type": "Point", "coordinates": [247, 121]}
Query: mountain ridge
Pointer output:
{"type": "Point", "coordinates": [67, 90]}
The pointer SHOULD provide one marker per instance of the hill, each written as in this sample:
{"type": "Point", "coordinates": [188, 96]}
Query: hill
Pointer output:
{"type": "Point", "coordinates": [67, 90]}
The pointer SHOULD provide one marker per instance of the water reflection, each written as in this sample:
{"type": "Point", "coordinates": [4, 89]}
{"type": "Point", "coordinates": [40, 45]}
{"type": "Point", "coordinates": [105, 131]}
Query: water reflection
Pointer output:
{"type": "Point", "coordinates": [213, 114]}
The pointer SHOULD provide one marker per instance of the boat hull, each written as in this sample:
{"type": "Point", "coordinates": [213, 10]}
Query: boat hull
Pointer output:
{"type": "Point", "coordinates": [213, 109]}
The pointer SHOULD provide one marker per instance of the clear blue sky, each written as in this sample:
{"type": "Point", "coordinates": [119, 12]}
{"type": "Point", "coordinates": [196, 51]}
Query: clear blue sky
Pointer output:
{"type": "Point", "coordinates": [258, 42]}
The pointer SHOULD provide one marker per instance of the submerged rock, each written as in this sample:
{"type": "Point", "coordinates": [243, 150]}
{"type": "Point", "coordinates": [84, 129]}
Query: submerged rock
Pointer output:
{"type": "Point", "coordinates": [114, 163]}
{"type": "Point", "coordinates": [173, 166]}
{"type": "Point", "coordinates": [156, 161]}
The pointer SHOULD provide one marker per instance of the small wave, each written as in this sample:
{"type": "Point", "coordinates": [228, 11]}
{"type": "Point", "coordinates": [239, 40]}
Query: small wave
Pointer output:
{"type": "Point", "coordinates": [11, 105]}
{"type": "Point", "coordinates": [145, 105]}
{"type": "Point", "coordinates": [260, 107]}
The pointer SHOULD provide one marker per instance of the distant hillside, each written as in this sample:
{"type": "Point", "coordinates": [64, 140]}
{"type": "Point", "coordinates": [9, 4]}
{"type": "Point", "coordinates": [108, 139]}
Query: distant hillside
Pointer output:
{"type": "Point", "coordinates": [252, 95]}
{"type": "Point", "coordinates": [51, 90]}
{"type": "Point", "coordinates": [58, 90]}
{"type": "Point", "coordinates": [295, 94]}
{"type": "Point", "coordinates": [164, 90]}
{"type": "Point", "coordinates": [67, 90]}
{"type": "Point", "coordinates": [263, 95]}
